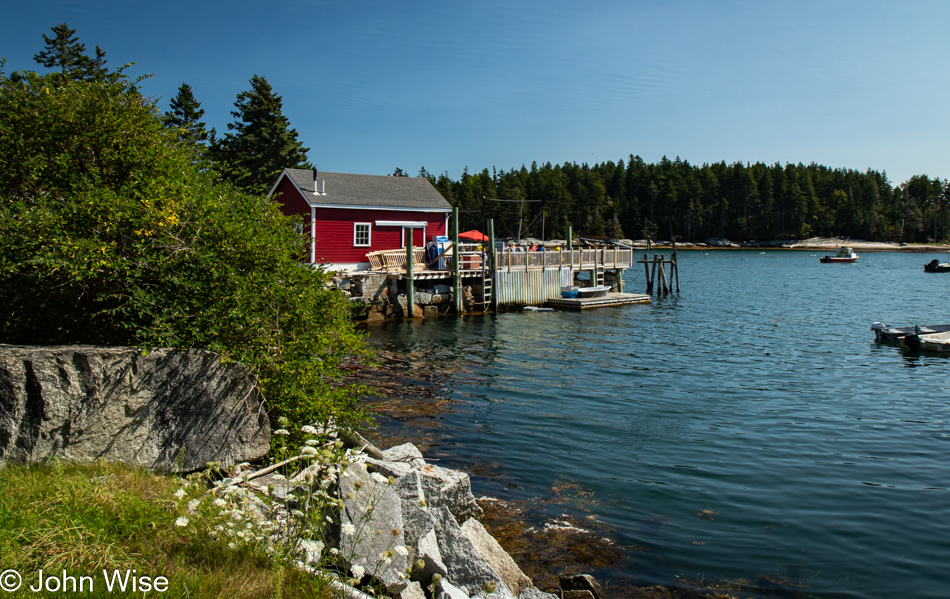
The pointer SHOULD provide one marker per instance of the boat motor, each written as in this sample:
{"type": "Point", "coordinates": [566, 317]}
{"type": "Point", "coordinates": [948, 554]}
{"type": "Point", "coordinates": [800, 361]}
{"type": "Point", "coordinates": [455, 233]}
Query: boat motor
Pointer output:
{"type": "Point", "coordinates": [878, 328]}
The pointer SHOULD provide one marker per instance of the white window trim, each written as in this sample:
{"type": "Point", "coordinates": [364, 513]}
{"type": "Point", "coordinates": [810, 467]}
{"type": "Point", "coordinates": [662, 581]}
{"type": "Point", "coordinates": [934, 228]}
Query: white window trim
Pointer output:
{"type": "Point", "coordinates": [369, 235]}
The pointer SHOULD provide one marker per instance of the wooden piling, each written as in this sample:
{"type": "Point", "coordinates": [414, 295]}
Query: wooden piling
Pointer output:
{"type": "Point", "coordinates": [675, 268]}
{"type": "Point", "coordinates": [491, 263]}
{"type": "Point", "coordinates": [653, 275]}
{"type": "Point", "coordinates": [410, 284]}
{"type": "Point", "coordinates": [456, 261]}
{"type": "Point", "coordinates": [664, 284]}
{"type": "Point", "coordinates": [646, 271]}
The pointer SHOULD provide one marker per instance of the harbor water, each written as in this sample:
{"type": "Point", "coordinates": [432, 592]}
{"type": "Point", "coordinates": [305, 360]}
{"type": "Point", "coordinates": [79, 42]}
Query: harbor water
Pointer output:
{"type": "Point", "coordinates": [747, 430]}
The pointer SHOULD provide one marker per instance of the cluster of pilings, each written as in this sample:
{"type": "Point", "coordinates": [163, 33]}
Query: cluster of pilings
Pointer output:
{"type": "Point", "coordinates": [657, 276]}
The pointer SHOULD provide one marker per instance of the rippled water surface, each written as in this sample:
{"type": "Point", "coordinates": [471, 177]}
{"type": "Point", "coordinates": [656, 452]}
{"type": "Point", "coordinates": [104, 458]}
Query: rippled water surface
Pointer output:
{"type": "Point", "coordinates": [747, 429]}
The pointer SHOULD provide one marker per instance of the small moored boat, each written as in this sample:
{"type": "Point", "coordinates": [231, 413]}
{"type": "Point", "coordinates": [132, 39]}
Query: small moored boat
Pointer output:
{"type": "Point", "coordinates": [585, 292]}
{"type": "Point", "coordinates": [935, 342]}
{"type": "Point", "coordinates": [844, 254]}
{"type": "Point", "coordinates": [937, 266]}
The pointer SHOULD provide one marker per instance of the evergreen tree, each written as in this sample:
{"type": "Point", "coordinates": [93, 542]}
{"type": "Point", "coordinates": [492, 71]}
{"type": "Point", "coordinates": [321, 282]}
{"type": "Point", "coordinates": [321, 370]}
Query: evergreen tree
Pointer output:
{"type": "Point", "coordinates": [185, 116]}
{"type": "Point", "coordinates": [65, 52]}
{"type": "Point", "coordinates": [260, 142]}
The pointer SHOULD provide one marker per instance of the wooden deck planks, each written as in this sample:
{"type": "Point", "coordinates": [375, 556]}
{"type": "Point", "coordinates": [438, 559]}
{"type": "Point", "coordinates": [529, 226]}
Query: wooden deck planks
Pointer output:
{"type": "Point", "coordinates": [611, 299]}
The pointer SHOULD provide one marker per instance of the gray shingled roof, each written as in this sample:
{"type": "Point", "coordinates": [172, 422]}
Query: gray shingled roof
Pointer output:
{"type": "Point", "coordinates": [369, 190]}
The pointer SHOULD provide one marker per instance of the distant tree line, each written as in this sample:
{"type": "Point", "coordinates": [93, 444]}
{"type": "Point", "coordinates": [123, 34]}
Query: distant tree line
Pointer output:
{"type": "Point", "coordinates": [675, 199]}
{"type": "Point", "coordinates": [627, 198]}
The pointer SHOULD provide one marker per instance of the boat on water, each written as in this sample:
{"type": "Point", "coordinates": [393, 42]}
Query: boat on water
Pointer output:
{"type": "Point", "coordinates": [935, 342]}
{"type": "Point", "coordinates": [844, 254]}
{"type": "Point", "coordinates": [937, 266]}
{"type": "Point", "coordinates": [585, 292]}
{"type": "Point", "coordinates": [933, 338]}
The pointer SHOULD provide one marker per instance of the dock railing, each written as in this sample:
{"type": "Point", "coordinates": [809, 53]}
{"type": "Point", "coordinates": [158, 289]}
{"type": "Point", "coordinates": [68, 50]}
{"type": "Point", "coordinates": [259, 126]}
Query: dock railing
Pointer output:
{"type": "Point", "coordinates": [577, 259]}
{"type": "Point", "coordinates": [472, 257]}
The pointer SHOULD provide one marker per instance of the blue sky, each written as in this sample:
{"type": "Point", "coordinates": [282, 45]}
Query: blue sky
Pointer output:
{"type": "Point", "coordinates": [375, 85]}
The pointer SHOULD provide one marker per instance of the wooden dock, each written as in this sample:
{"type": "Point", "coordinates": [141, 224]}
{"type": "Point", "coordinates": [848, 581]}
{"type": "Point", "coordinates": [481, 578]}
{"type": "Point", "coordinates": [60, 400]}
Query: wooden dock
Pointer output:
{"type": "Point", "coordinates": [611, 299]}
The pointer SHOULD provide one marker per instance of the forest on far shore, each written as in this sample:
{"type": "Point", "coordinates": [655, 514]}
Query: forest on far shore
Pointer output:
{"type": "Point", "coordinates": [630, 198]}
{"type": "Point", "coordinates": [674, 199]}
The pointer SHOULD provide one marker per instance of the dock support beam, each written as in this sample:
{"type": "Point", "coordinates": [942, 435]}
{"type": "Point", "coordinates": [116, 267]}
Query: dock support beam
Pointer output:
{"type": "Point", "coordinates": [490, 256]}
{"type": "Point", "coordinates": [410, 283]}
{"type": "Point", "coordinates": [457, 258]}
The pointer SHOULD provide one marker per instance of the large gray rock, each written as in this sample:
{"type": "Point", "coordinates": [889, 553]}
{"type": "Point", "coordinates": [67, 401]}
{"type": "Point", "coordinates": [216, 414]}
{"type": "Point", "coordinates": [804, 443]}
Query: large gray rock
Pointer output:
{"type": "Point", "coordinates": [466, 566]}
{"type": "Point", "coordinates": [579, 586]}
{"type": "Point", "coordinates": [496, 556]}
{"type": "Point", "coordinates": [412, 591]}
{"type": "Point", "coordinates": [444, 487]}
{"type": "Point", "coordinates": [168, 410]}
{"type": "Point", "coordinates": [439, 486]}
{"type": "Point", "coordinates": [447, 590]}
{"type": "Point", "coordinates": [374, 510]}
{"type": "Point", "coordinates": [533, 593]}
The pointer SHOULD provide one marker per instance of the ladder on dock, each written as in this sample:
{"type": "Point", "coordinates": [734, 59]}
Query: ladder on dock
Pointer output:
{"type": "Point", "coordinates": [487, 284]}
{"type": "Point", "coordinates": [598, 275]}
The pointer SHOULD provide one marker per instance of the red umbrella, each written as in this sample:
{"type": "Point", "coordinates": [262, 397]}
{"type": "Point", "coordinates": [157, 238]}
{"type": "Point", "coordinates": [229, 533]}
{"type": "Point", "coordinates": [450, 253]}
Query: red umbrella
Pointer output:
{"type": "Point", "coordinates": [473, 235]}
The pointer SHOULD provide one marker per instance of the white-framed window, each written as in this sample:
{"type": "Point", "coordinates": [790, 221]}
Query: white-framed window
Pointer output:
{"type": "Point", "coordinates": [361, 236]}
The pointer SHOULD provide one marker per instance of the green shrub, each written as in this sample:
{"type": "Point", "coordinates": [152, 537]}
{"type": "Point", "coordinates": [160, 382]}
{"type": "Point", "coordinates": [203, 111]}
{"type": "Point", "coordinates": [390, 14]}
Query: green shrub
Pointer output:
{"type": "Point", "coordinates": [114, 232]}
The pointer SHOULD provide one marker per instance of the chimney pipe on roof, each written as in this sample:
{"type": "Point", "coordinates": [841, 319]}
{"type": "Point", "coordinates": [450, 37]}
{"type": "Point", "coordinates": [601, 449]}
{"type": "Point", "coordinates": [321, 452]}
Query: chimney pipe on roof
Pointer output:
{"type": "Point", "coordinates": [314, 180]}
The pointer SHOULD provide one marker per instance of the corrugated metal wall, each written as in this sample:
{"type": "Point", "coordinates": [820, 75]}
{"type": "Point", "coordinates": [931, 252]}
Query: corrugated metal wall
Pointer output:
{"type": "Point", "coordinates": [530, 287]}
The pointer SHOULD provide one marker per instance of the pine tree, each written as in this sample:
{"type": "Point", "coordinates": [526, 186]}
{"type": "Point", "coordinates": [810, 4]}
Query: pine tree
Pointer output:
{"type": "Point", "coordinates": [260, 142]}
{"type": "Point", "coordinates": [184, 115]}
{"type": "Point", "coordinates": [97, 66]}
{"type": "Point", "coordinates": [67, 53]}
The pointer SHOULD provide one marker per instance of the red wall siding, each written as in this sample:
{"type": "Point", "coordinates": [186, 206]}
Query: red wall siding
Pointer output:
{"type": "Point", "coordinates": [335, 232]}
{"type": "Point", "coordinates": [291, 201]}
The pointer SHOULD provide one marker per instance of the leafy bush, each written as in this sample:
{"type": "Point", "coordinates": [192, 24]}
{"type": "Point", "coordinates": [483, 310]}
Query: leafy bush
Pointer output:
{"type": "Point", "coordinates": [114, 232]}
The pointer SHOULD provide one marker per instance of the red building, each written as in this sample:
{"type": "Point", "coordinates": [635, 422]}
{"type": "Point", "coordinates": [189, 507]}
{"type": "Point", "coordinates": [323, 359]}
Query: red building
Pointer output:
{"type": "Point", "coordinates": [346, 216]}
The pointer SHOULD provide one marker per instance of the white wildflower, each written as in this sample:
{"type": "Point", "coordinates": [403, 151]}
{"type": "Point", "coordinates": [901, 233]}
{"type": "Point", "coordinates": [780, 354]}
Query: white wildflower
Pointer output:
{"type": "Point", "coordinates": [334, 551]}
{"type": "Point", "coordinates": [348, 529]}
{"type": "Point", "coordinates": [357, 571]}
{"type": "Point", "coordinates": [314, 549]}
{"type": "Point", "coordinates": [232, 545]}
{"type": "Point", "coordinates": [240, 533]}
{"type": "Point", "coordinates": [401, 550]}
{"type": "Point", "coordinates": [220, 502]}
{"type": "Point", "coordinates": [281, 431]}
{"type": "Point", "coordinates": [181, 521]}
{"type": "Point", "coordinates": [193, 506]}
{"type": "Point", "coordinates": [308, 451]}
{"type": "Point", "coordinates": [308, 430]}
{"type": "Point", "coordinates": [312, 442]}
{"type": "Point", "coordinates": [180, 493]}
{"type": "Point", "coordinates": [278, 477]}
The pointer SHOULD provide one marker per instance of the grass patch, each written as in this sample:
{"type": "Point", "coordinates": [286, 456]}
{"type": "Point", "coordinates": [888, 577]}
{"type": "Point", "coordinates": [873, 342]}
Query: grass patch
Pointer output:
{"type": "Point", "coordinates": [86, 518]}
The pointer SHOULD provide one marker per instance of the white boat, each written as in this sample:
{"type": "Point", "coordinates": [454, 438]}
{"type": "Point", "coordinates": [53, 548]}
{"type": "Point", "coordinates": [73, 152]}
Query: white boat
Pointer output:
{"type": "Point", "coordinates": [844, 254]}
{"type": "Point", "coordinates": [585, 292]}
{"type": "Point", "coordinates": [939, 342]}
